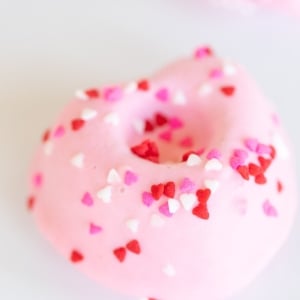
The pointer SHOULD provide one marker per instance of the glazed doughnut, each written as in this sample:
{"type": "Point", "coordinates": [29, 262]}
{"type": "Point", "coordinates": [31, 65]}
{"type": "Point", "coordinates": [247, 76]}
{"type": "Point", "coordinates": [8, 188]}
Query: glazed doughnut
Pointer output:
{"type": "Point", "coordinates": [176, 186]}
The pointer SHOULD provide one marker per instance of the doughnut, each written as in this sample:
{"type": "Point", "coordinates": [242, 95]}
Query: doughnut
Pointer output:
{"type": "Point", "coordinates": [175, 186]}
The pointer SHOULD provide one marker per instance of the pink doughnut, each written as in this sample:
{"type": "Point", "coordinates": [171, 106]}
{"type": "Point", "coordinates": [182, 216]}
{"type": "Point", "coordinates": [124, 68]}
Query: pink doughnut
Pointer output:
{"type": "Point", "coordinates": [179, 186]}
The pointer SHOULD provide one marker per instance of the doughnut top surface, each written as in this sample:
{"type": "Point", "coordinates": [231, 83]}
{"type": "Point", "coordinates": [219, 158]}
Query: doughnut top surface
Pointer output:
{"type": "Point", "coordinates": [176, 186]}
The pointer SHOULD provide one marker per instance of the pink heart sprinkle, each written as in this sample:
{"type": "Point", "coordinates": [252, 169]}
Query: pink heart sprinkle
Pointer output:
{"type": "Point", "coordinates": [251, 144]}
{"type": "Point", "coordinates": [112, 94]}
{"type": "Point", "coordinates": [263, 149]}
{"type": "Point", "coordinates": [187, 186]}
{"type": "Point", "coordinates": [175, 123]}
{"type": "Point", "coordinates": [216, 73]}
{"type": "Point", "coordinates": [214, 153]}
{"type": "Point", "coordinates": [130, 178]}
{"type": "Point", "coordinates": [59, 132]}
{"type": "Point", "coordinates": [166, 135]}
{"type": "Point", "coordinates": [87, 199]}
{"type": "Point", "coordinates": [164, 209]}
{"type": "Point", "coordinates": [269, 209]}
{"type": "Point", "coordinates": [94, 229]}
{"type": "Point", "coordinates": [236, 161]}
{"type": "Point", "coordinates": [147, 199]}
{"type": "Point", "coordinates": [202, 52]}
{"type": "Point", "coordinates": [162, 95]}
{"type": "Point", "coordinates": [186, 142]}
{"type": "Point", "coordinates": [38, 180]}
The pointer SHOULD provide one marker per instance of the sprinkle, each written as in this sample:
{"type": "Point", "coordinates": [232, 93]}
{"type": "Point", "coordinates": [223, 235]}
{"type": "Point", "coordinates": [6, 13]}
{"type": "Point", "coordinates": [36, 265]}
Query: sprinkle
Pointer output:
{"type": "Point", "coordinates": [120, 253]}
{"type": "Point", "coordinates": [112, 119]}
{"type": "Point", "coordinates": [166, 135]}
{"type": "Point", "coordinates": [173, 205]}
{"type": "Point", "coordinates": [201, 211]}
{"type": "Point", "coordinates": [38, 180]}
{"type": "Point", "coordinates": [157, 190]}
{"type": "Point", "coordinates": [203, 195]}
{"type": "Point", "coordinates": [94, 229]}
{"type": "Point", "coordinates": [260, 179]}
{"type": "Point", "coordinates": [169, 189]}
{"type": "Point", "coordinates": [279, 186]}
{"type": "Point", "coordinates": [113, 177]}
{"type": "Point", "coordinates": [134, 247]}
{"type": "Point", "coordinates": [30, 203]}
{"type": "Point", "coordinates": [131, 87]}
{"type": "Point", "coordinates": [46, 135]}
{"type": "Point", "coordinates": [87, 199]}
{"type": "Point", "coordinates": [157, 221]}
{"type": "Point", "coordinates": [213, 165]}
{"type": "Point", "coordinates": [92, 93]}
{"type": "Point", "coordinates": [187, 186]}
{"type": "Point", "coordinates": [188, 201]}
{"type": "Point", "coordinates": [162, 95]}
{"type": "Point", "coordinates": [59, 131]}
{"type": "Point", "coordinates": [78, 160]}
{"type": "Point", "coordinates": [48, 148]}
{"type": "Point", "coordinates": [88, 114]}
{"type": "Point", "coordinates": [105, 194]}
{"type": "Point", "coordinates": [263, 149]}
{"type": "Point", "coordinates": [186, 142]}
{"type": "Point", "coordinates": [143, 85]}
{"type": "Point", "coordinates": [205, 89]}
{"type": "Point", "coordinates": [76, 256]}
{"type": "Point", "coordinates": [214, 153]}
{"type": "Point", "coordinates": [112, 94]}
{"type": "Point", "coordinates": [81, 95]}
{"type": "Point", "coordinates": [130, 178]}
{"type": "Point", "coordinates": [282, 149]}
{"type": "Point", "coordinates": [229, 69]}
{"type": "Point", "coordinates": [147, 150]}
{"type": "Point", "coordinates": [251, 144]}
{"type": "Point", "coordinates": [235, 162]}
{"type": "Point", "coordinates": [203, 52]}
{"type": "Point", "coordinates": [77, 124]}
{"type": "Point", "coordinates": [269, 209]}
{"type": "Point", "coordinates": [212, 184]}
{"type": "Point", "coordinates": [148, 126]}
{"type": "Point", "coordinates": [193, 160]}
{"type": "Point", "coordinates": [264, 163]}
{"type": "Point", "coordinates": [175, 123]}
{"type": "Point", "coordinates": [169, 270]}
{"type": "Point", "coordinates": [161, 119]}
{"type": "Point", "coordinates": [133, 225]}
{"type": "Point", "coordinates": [228, 90]}
{"type": "Point", "coordinates": [164, 209]}
{"type": "Point", "coordinates": [216, 73]}
{"type": "Point", "coordinates": [179, 98]}
{"type": "Point", "coordinates": [240, 153]}
{"type": "Point", "coordinates": [254, 169]}
{"type": "Point", "coordinates": [138, 126]}
{"type": "Point", "coordinates": [147, 199]}
{"type": "Point", "coordinates": [244, 172]}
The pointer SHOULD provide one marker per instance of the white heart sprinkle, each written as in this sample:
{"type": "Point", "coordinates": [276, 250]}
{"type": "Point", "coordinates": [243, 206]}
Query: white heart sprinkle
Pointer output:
{"type": "Point", "coordinates": [229, 69]}
{"type": "Point", "coordinates": [205, 89]}
{"type": "Point", "coordinates": [133, 225]}
{"type": "Point", "coordinates": [179, 98]}
{"type": "Point", "coordinates": [112, 118]}
{"type": "Point", "coordinates": [193, 160]}
{"type": "Point", "coordinates": [212, 184]}
{"type": "Point", "coordinates": [213, 165]}
{"type": "Point", "coordinates": [188, 201]}
{"type": "Point", "coordinates": [157, 221]}
{"type": "Point", "coordinates": [88, 114]}
{"type": "Point", "coordinates": [113, 177]}
{"type": "Point", "coordinates": [105, 194]}
{"type": "Point", "coordinates": [78, 160]}
{"type": "Point", "coordinates": [169, 270]}
{"type": "Point", "coordinates": [139, 126]}
{"type": "Point", "coordinates": [173, 205]}
{"type": "Point", "coordinates": [280, 146]}
{"type": "Point", "coordinates": [81, 95]}
{"type": "Point", "coordinates": [48, 148]}
{"type": "Point", "coordinates": [130, 88]}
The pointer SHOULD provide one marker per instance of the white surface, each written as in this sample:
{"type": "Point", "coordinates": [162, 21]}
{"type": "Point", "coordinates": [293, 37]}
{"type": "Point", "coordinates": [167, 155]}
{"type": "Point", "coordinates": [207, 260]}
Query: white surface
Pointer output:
{"type": "Point", "coordinates": [50, 48]}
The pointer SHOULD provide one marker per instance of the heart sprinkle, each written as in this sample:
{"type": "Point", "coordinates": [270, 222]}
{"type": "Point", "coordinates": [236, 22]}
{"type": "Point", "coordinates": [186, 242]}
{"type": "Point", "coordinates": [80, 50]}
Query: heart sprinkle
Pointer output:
{"type": "Point", "coordinates": [76, 257]}
{"type": "Point", "coordinates": [120, 253]}
{"type": "Point", "coordinates": [134, 247]}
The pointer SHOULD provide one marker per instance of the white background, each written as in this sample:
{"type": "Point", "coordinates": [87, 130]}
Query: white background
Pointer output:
{"type": "Point", "coordinates": [50, 48]}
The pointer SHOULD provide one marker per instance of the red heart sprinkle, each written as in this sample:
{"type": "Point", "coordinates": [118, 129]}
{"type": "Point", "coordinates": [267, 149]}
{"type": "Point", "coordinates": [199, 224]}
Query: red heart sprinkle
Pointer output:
{"type": "Point", "coordinates": [46, 135]}
{"type": "Point", "coordinates": [201, 211]}
{"type": "Point", "coordinates": [134, 247]}
{"type": "Point", "coordinates": [143, 85]}
{"type": "Point", "coordinates": [203, 195]}
{"type": "Point", "coordinates": [92, 93]}
{"type": "Point", "coordinates": [264, 162]}
{"type": "Point", "coordinates": [77, 124]}
{"type": "Point", "coordinates": [279, 186]}
{"type": "Point", "coordinates": [244, 172]}
{"type": "Point", "coordinates": [76, 256]}
{"type": "Point", "coordinates": [169, 189]}
{"type": "Point", "coordinates": [254, 169]}
{"type": "Point", "coordinates": [120, 253]}
{"type": "Point", "coordinates": [157, 190]}
{"type": "Point", "coordinates": [148, 126]}
{"type": "Point", "coordinates": [30, 203]}
{"type": "Point", "coordinates": [260, 179]}
{"type": "Point", "coordinates": [228, 90]}
{"type": "Point", "coordinates": [147, 150]}
{"type": "Point", "coordinates": [160, 119]}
